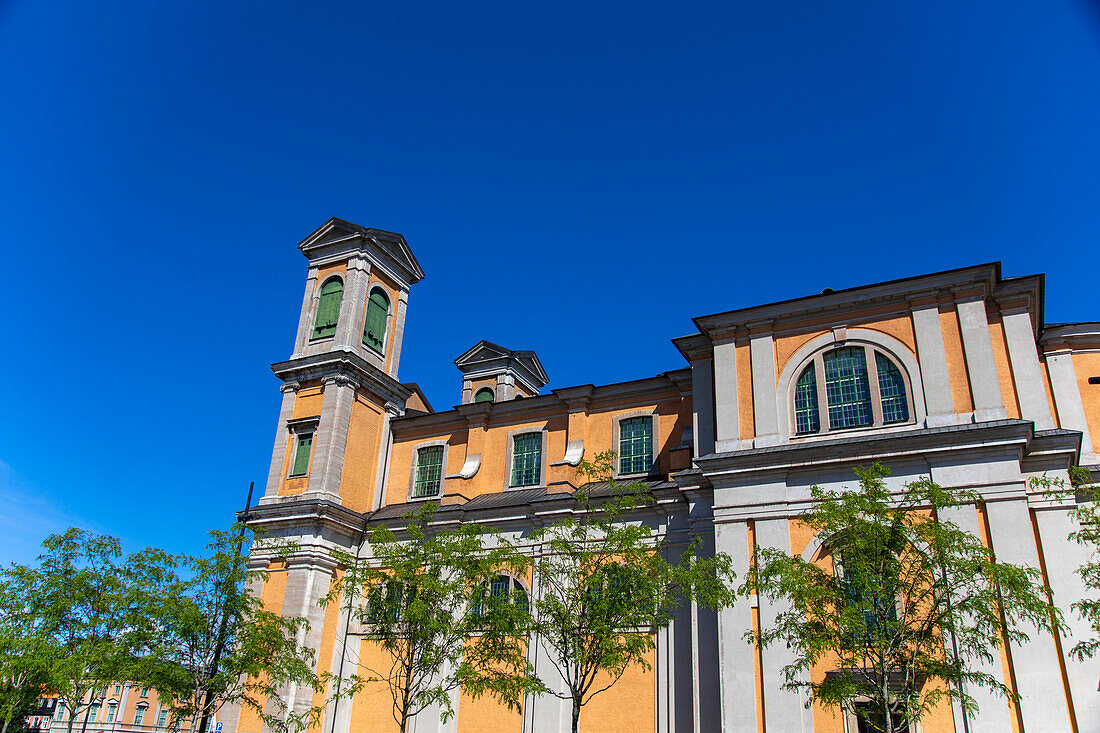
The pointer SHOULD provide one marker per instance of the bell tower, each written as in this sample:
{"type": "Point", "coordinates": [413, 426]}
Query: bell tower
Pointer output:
{"type": "Point", "coordinates": [340, 386]}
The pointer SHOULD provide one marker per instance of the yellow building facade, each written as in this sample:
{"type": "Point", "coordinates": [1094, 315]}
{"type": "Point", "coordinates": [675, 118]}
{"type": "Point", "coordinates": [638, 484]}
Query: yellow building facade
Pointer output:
{"type": "Point", "coordinates": [952, 375]}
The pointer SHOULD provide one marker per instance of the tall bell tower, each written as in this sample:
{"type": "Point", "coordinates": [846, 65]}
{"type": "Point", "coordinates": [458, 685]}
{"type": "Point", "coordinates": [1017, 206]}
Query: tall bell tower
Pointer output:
{"type": "Point", "coordinates": [340, 385]}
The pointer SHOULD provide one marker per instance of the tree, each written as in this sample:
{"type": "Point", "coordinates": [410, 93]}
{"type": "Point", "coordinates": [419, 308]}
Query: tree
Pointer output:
{"type": "Point", "coordinates": [605, 584]}
{"type": "Point", "coordinates": [413, 595]}
{"type": "Point", "coordinates": [208, 641]}
{"type": "Point", "coordinates": [23, 650]}
{"type": "Point", "coordinates": [902, 579]}
{"type": "Point", "coordinates": [1087, 513]}
{"type": "Point", "coordinates": [87, 609]}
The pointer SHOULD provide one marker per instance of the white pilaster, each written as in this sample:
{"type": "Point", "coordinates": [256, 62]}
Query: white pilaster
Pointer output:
{"type": "Point", "coordinates": [726, 415]}
{"type": "Point", "coordinates": [305, 318]}
{"type": "Point", "coordinates": [783, 709]}
{"type": "Point", "coordinates": [702, 405]}
{"type": "Point", "coordinates": [1062, 557]}
{"type": "Point", "coordinates": [765, 411]}
{"type": "Point", "coordinates": [980, 364]}
{"type": "Point", "coordinates": [349, 327]}
{"type": "Point", "coordinates": [933, 366]}
{"type": "Point", "coordinates": [993, 713]}
{"type": "Point", "coordinates": [1030, 391]}
{"type": "Point", "coordinates": [1067, 400]}
{"type": "Point", "coordinates": [332, 435]}
{"type": "Point", "coordinates": [278, 452]}
{"type": "Point", "coordinates": [398, 332]}
{"type": "Point", "coordinates": [736, 656]}
{"type": "Point", "coordinates": [1034, 662]}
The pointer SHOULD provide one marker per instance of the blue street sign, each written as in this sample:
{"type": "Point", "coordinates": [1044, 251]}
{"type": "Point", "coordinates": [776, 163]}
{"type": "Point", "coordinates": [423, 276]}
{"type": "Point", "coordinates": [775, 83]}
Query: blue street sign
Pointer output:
{"type": "Point", "coordinates": [217, 728]}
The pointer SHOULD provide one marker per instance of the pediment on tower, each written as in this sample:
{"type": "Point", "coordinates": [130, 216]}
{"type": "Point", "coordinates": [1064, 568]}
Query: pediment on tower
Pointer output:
{"type": "Point", "coordinates": [338, 238]}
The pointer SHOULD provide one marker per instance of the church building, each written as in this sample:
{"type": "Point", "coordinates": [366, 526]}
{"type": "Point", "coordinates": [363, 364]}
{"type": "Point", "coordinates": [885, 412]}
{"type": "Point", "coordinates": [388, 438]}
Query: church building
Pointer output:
{"type": "Point", "coordinates": [953, 375]}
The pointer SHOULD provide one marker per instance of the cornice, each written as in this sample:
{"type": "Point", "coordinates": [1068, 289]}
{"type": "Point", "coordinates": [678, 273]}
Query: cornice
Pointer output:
{"type": "Point", "coordinates": [343, 368]}
{"type": "Point", "coordinates": [1071, 336]}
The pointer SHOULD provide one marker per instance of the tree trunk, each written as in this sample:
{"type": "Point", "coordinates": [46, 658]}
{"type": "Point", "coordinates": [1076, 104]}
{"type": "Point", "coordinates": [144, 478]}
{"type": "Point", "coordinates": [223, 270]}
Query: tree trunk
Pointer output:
{"type": "Point", "coordinates": [5, 728]}
{"type": "Point", "coordinates": [576, 715]}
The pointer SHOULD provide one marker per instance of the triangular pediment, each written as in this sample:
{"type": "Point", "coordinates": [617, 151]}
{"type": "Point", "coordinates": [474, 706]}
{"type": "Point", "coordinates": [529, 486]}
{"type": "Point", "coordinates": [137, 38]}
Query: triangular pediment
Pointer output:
{"type": "Point", "coordinates": [335, 234]}
{"type": "Point", "coordinates": [482, 351]}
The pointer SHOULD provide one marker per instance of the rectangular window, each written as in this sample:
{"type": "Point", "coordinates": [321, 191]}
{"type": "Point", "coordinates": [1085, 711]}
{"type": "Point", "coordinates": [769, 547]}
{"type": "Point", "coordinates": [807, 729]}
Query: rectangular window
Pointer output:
{"type": "Point", "coordinates": [145, 692]}
{"type": "Point", "coordinates": [162, 718]}
{"type": "Point", "coordinates": [117, 689]}
{"type": "Point", "coordinates": [111, 712]}
{"type": "Point", "coordinates": [429, 471]}
{"type": "Point", "coordinates": [93, 711]}
{"type": "Point", "coordinates": [636, 445]}
{"type": "Point", "coordinates": [301, 454]}
{"type": "Point", "coordinates": [527, 459]}
{"type": "Point", "coordinates": [139, 715]}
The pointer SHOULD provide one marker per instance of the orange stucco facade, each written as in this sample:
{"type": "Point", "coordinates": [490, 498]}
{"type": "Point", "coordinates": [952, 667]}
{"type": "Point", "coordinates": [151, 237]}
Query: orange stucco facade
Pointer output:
{"type": "Point", "coordinates": [989, 397]}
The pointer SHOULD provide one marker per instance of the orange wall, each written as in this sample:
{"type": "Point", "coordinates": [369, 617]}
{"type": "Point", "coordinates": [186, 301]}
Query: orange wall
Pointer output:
{"type": "Point", "coordinates": [272, 599]}
{"type": "Point", "coordinates": [361, 456]}
{"type": "Point", "coordinates": [1088, 365]}
{"type": "Point", "coordinates": [1004, 370]}
{"type": "Point", "coordinates": [956, 361]}
{"type": "Point", "coordinates": [628, 706]}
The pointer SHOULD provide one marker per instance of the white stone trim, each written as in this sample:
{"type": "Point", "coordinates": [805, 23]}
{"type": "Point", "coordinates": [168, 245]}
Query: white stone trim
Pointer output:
{"type": "Point", "coordinates": [1067, 400]}
{"type": "Point", "coordinates": [702, 406]}
{"type": "Point", "coordinates": [981, 367]}
{"type": "Point", "coordinates": [726, 413]}
{"type": "Point", "coordinates": [766, 411]}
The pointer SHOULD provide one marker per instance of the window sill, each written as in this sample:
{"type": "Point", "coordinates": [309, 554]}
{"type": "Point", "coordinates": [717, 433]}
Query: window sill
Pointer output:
{"type": "Point", "coordinates": [521, 488]}
{"type": "Point", "coordinates": [411, 499]}
{"type": "Point", "coordinates": [319, 339]}
{"type": "Point", "coordinates": [829, 434]}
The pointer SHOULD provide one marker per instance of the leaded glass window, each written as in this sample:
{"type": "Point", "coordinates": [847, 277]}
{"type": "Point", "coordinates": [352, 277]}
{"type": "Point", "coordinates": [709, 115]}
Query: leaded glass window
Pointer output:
{"type": "Point", "coordinates": [847, 388]}
{"type": "Point", "coordinates": [891, 389]}
{"type": "Point", "coordinates": [807, 419]}
{"type": "Point", "coordinates": [636, 445]}
{"type": "Point", "coordinates": [429, 471]}
{"type": "Point", "coordinates": [852, 396]}
{"type": "Point", "coordinates": [328, 308]}
{"type": "Point", "coordinates": [374, 326]}
{"type": "Point", "coordinates": [527, 459]}
{"type": "Point", "coordinates": [301, 454]}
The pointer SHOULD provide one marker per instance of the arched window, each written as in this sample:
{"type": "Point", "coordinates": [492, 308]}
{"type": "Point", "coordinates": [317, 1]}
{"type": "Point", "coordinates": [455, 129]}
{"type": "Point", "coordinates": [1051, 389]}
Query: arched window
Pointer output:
{"type": "Point", "coordinates": [850, 387]}
{"type": "Point", "coordinates": [374, 326]}
{"type": "Point", "coordinates": [328, 308]}
{"type": "Point", "coordinates": [499, 590]}
{"type": "Point", "coordinates": [485, 394]}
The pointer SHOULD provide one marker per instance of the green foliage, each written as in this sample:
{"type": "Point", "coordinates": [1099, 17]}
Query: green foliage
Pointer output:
{"type": "Point", "coordinates": [208, 641]}
{"type": "Point", "coordinates": [605, 584]}
{"type": "Point", "coordinates": [412, 596]}
{"type": "Point", "coordinates": [24, 650]}
{"type": "Point", "coordinates": [1086, 494]}
{"type": "Point", "coordinates": [914, 599]}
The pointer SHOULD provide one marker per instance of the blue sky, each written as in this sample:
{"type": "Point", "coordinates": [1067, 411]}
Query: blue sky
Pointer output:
{"type": "Point", "coordinates": [575, 178]}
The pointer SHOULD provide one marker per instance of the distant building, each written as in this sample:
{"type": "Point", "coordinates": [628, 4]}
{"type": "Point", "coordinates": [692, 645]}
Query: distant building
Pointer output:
{"type": "Point", "coordinates": [953, 374]}
{"type": "Point", "coordinates": [118, 708]}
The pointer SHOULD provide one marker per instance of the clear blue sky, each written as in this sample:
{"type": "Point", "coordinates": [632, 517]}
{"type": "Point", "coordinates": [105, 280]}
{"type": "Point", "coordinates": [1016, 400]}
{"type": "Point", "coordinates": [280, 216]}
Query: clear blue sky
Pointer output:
{"type": "Point", "coordinates": [576, 178]}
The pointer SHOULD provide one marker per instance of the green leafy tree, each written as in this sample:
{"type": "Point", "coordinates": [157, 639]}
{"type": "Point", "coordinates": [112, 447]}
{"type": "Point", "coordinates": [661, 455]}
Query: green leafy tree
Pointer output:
{"type": "Point", "coordinates": [88, 608]}
{"type": "Point", "coordinates": [208, 641]}
{"type": "Point", "coordinates": [1086, 492]}
{"type": "Point", "coordinates": [24, 654]}
{"type": "Point", "coordinates": [421, 597]}
{"type": "Point", "coordinates": [903, 578]}
{"type": "Point", "coordinates": [605, 584]}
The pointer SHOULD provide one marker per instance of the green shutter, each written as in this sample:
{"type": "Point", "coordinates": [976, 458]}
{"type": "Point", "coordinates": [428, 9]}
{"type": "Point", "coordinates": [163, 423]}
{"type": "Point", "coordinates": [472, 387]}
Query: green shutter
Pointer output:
{"type": "Point", "coordinates": [484, 395]}
{"type": "Point", "coordinates": [301, 455]}
{"type": "Point", "coordinates": [328, 309]}
{"type": "Point", "coordinates": [374, 327]}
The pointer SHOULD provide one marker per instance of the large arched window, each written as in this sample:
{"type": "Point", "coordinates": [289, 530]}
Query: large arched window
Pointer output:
{"type": "Point", "coordinates": [328, 308]}
{"type": "Point", "coordinates": [850, 387]}
{"type": "Point", "coordinates": [374, 325]}
{"type": "Point", "coordinates": [499, 590]}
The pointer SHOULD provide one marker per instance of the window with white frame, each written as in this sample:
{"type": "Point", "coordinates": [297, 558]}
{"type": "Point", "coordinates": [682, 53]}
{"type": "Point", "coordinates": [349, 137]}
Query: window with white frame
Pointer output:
{"type": "Point", "coordinates": [428, 474]}
{"type": "Point", "coordinates": [526, 459]}
{"type": "Point", "coordinates": [850, 387]}
{"type": "Point", "coordinates": [139, 714]}
{"type": "Point", "coordinates": [162, 718]}
{"type": "Point", "coordinates": [636, 444]}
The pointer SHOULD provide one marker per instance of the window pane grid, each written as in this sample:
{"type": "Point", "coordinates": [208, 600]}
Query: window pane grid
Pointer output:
{"type": "Point", "coordinates": [807, 418]}
{"type": "Point", "coordinates": [526, 459]}
{"type": "Point", "coordinates": [429, 471]}
{"type": "Point", "coordinates": [847, 388]}
{"type": "Point", "coordinates": [636, 445]}
{"type": "Point", "coordinates": [895, 408]}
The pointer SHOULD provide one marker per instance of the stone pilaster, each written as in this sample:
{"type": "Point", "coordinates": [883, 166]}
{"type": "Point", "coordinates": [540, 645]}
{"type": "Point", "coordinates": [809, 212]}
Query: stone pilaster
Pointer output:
{"type": "Point", "coordinates": [702, 406]}
{"type": "Point", "coordinates": [305, 318]}
{"type": "Point", "coordinates": [332, 434]}
{"type": "Point", "coordinates": [1067, 400]}
{"type": "Point", "coordinates": [278, 452]}
{"type": "Point", "coordinates": [736, 657]}
{"type": "Point", "coordinates": [762, 356]}
{"type": "Point", "coordinates": [349, 328]}
{"type": "Point", "coordinates": [1030, 391]}
{"type": "Point", "coordinates": [933, 364]}
{"type": "Point", "coordinates": [398, 332]}
{"type": "Point", "coordinates": [726, 415]}
{"type": "Point", "coordinates": [980, 364]}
